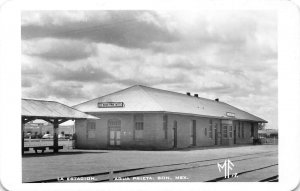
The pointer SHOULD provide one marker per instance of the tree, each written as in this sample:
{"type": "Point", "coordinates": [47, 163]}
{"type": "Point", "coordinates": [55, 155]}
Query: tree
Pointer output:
{"type": "Point", "coordinates": [261, 126]}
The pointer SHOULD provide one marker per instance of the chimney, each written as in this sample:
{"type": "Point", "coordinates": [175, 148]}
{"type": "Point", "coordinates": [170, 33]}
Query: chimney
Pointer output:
{"type": "Point", "coordinates": [188, 93]}
{"type": "Point", "coordinates": [217, 99]}
{"type": "Point", "coordinates": [195, 95]}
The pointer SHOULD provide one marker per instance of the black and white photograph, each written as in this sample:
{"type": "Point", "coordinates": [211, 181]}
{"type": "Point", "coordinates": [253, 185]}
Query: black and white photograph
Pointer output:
{"type": "Point", "coordinates": [137, 95]}
{"type": "Point", "coordinates": [111, 96]}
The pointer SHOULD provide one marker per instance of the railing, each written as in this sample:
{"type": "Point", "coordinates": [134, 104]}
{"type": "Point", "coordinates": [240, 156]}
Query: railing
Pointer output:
{"type": "Point", "coordinates": [66, 143]}
{"type": "Point", "coordinates": [269, 141]}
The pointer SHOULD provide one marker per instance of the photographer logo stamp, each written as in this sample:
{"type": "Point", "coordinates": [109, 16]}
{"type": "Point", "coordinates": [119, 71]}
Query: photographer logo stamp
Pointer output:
{"type": "Point", "coordinates": [227, 166]}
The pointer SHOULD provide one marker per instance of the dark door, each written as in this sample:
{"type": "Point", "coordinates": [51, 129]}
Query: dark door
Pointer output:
{"type": "Point", "coordinates": [193, 135]}
{"type": "Point", "coordinates": [175, 134]}
{"type": "Point", "coordinates": [216, 134]}
{"type": "Point", "coordinates": [175, 138]}
{"type": "Point", "coordinates": [234, 135]}
{"type": "Point", "coordinates": [221, 134]}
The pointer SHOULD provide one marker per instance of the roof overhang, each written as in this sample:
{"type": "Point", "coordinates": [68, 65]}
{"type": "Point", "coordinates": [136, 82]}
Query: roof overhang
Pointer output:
{"type": "Point", "coordinates": [50, 110]}
{"type": "Point", "coordinates": [176, 113]}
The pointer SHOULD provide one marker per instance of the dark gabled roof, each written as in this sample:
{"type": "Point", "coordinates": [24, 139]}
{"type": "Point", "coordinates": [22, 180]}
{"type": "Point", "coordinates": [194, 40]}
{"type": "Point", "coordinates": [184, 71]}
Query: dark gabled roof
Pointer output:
{"type": "Point", "coordinates": [51, 109]}
{"type": "Point", "coordinates": [145, 99]}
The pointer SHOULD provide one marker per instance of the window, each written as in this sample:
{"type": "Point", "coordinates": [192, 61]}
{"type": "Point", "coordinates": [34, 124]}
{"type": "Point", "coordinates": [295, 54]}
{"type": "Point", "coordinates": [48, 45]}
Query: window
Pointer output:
{"type": "Point", "coordinates": [230, 131]}
{"type": "Point", "coordinates": [210, 129]}
{"type": "Point", "coordinates": [114, 123]}
{"type": "Point", "coordinates": [165, 126]}
{"type": "Point", "coordinates": [205, 131]}
{"type": "Point", "coordinates": [91, 130]}
{"type": "Point", "coordinates": [243, 135]}
{"type": "Point", "coordinates": [225, 131]}
{"type": "Point", "coordinates": [138, 126]}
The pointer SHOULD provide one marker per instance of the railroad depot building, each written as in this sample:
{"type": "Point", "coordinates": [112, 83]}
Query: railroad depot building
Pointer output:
{"type": "Point", "coordinates": [141, 117]}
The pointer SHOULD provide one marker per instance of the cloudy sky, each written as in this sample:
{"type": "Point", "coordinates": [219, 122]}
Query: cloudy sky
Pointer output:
{"type": "Point", "coordinates": [74, 56]}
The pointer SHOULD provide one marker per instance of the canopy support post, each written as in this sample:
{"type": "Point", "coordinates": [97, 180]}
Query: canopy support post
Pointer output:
{"type": "Point", "coordinates": [22, 136]}
{"type": "Point", "coordinates": [55, 135]}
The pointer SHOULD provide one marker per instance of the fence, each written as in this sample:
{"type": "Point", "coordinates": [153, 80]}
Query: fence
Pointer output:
{"type": "Point", "coordinates": [269, 141]}
{"type": "Point", "coordinates": [66, 143]}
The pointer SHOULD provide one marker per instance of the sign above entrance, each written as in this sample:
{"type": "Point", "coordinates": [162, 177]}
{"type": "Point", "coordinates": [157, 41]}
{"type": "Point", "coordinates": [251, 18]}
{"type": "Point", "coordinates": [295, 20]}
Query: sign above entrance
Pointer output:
{"type": "Point", "coordinates": [110, 104]}
{"type": "Point", "coordinates": [229, 114]}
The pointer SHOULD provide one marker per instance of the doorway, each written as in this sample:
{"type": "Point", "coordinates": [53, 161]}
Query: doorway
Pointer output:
{"type": "Point", "coordinates": [216, 134]}
{"type": "Point", "coordinates": [114, 137]}
{"type": "Point", "coordinates": [234, 135]}
{"type": "Point", "coordinates": [175, 134]}
{"type": "Point", "coordinates": [114, 132]}
{"type": "Point", "coordinates": [193, 133]}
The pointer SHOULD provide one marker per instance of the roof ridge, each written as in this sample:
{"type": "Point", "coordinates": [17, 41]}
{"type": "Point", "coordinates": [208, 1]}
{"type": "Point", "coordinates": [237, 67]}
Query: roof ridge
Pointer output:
{"type": "Point", "coordinates": [104, 96]}
{"type": "Point", "coordinates": [151, 97]}
{"type": "Point", "coordinates": [182, 94]}
{"type": "Point", "coordinates": [143, 86]}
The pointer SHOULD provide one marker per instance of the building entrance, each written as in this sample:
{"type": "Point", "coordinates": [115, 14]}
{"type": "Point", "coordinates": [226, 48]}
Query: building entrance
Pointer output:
{"type": "Point", "coordinates": [175, 134]}
{"type": "Point", "coordinates": [216, 134]}
{"type": "Point", "coordinates": [114, 129]}
{"type": "Point", "coordinates": [234, 135]}
{"type": "Point", "coordinates": [193, 133]}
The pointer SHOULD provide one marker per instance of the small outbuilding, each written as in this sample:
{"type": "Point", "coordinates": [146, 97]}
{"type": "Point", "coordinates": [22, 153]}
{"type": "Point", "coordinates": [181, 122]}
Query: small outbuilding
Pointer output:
{"type": "Point", "coordinates": [149, 118]}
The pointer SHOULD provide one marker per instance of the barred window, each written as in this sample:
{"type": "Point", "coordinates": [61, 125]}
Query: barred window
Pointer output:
{"type": "Point", "coordinates": [225, 131]}
{"type": "Point", "coordinates": [114, 123]}
{"type": "Point", "coordinates": [139, 126]}
{"type": "Point", "coordinates": [210, 129]}
{"type": "Point", "coordinates": [230, 131]}
{"type": "Point", "coordinates": [91, 130]}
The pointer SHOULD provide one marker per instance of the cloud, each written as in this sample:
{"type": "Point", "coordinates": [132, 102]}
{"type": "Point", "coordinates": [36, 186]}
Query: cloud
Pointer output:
{"type": "Point", "coordinates": [74, 56]}
{"type": "Point", "coordinates": [54, 49]}
{"type": "Point", "coordinates": [85, 73]}
{"type": "Point", "coordinates": [26, 83]}
{"type": "Point", "coordinates": [131, 29]}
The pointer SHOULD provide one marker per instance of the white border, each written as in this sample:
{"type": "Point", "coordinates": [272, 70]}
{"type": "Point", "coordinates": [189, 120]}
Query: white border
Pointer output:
{"type": "Point", "coordinates": [289, 90]}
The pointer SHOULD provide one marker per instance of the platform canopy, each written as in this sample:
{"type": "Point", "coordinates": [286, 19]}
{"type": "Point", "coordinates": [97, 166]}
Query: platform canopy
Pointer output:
{"type": "Point", "coordinates": [40, 109]}
{"type": "Point", "coordinates": [52, 112]}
